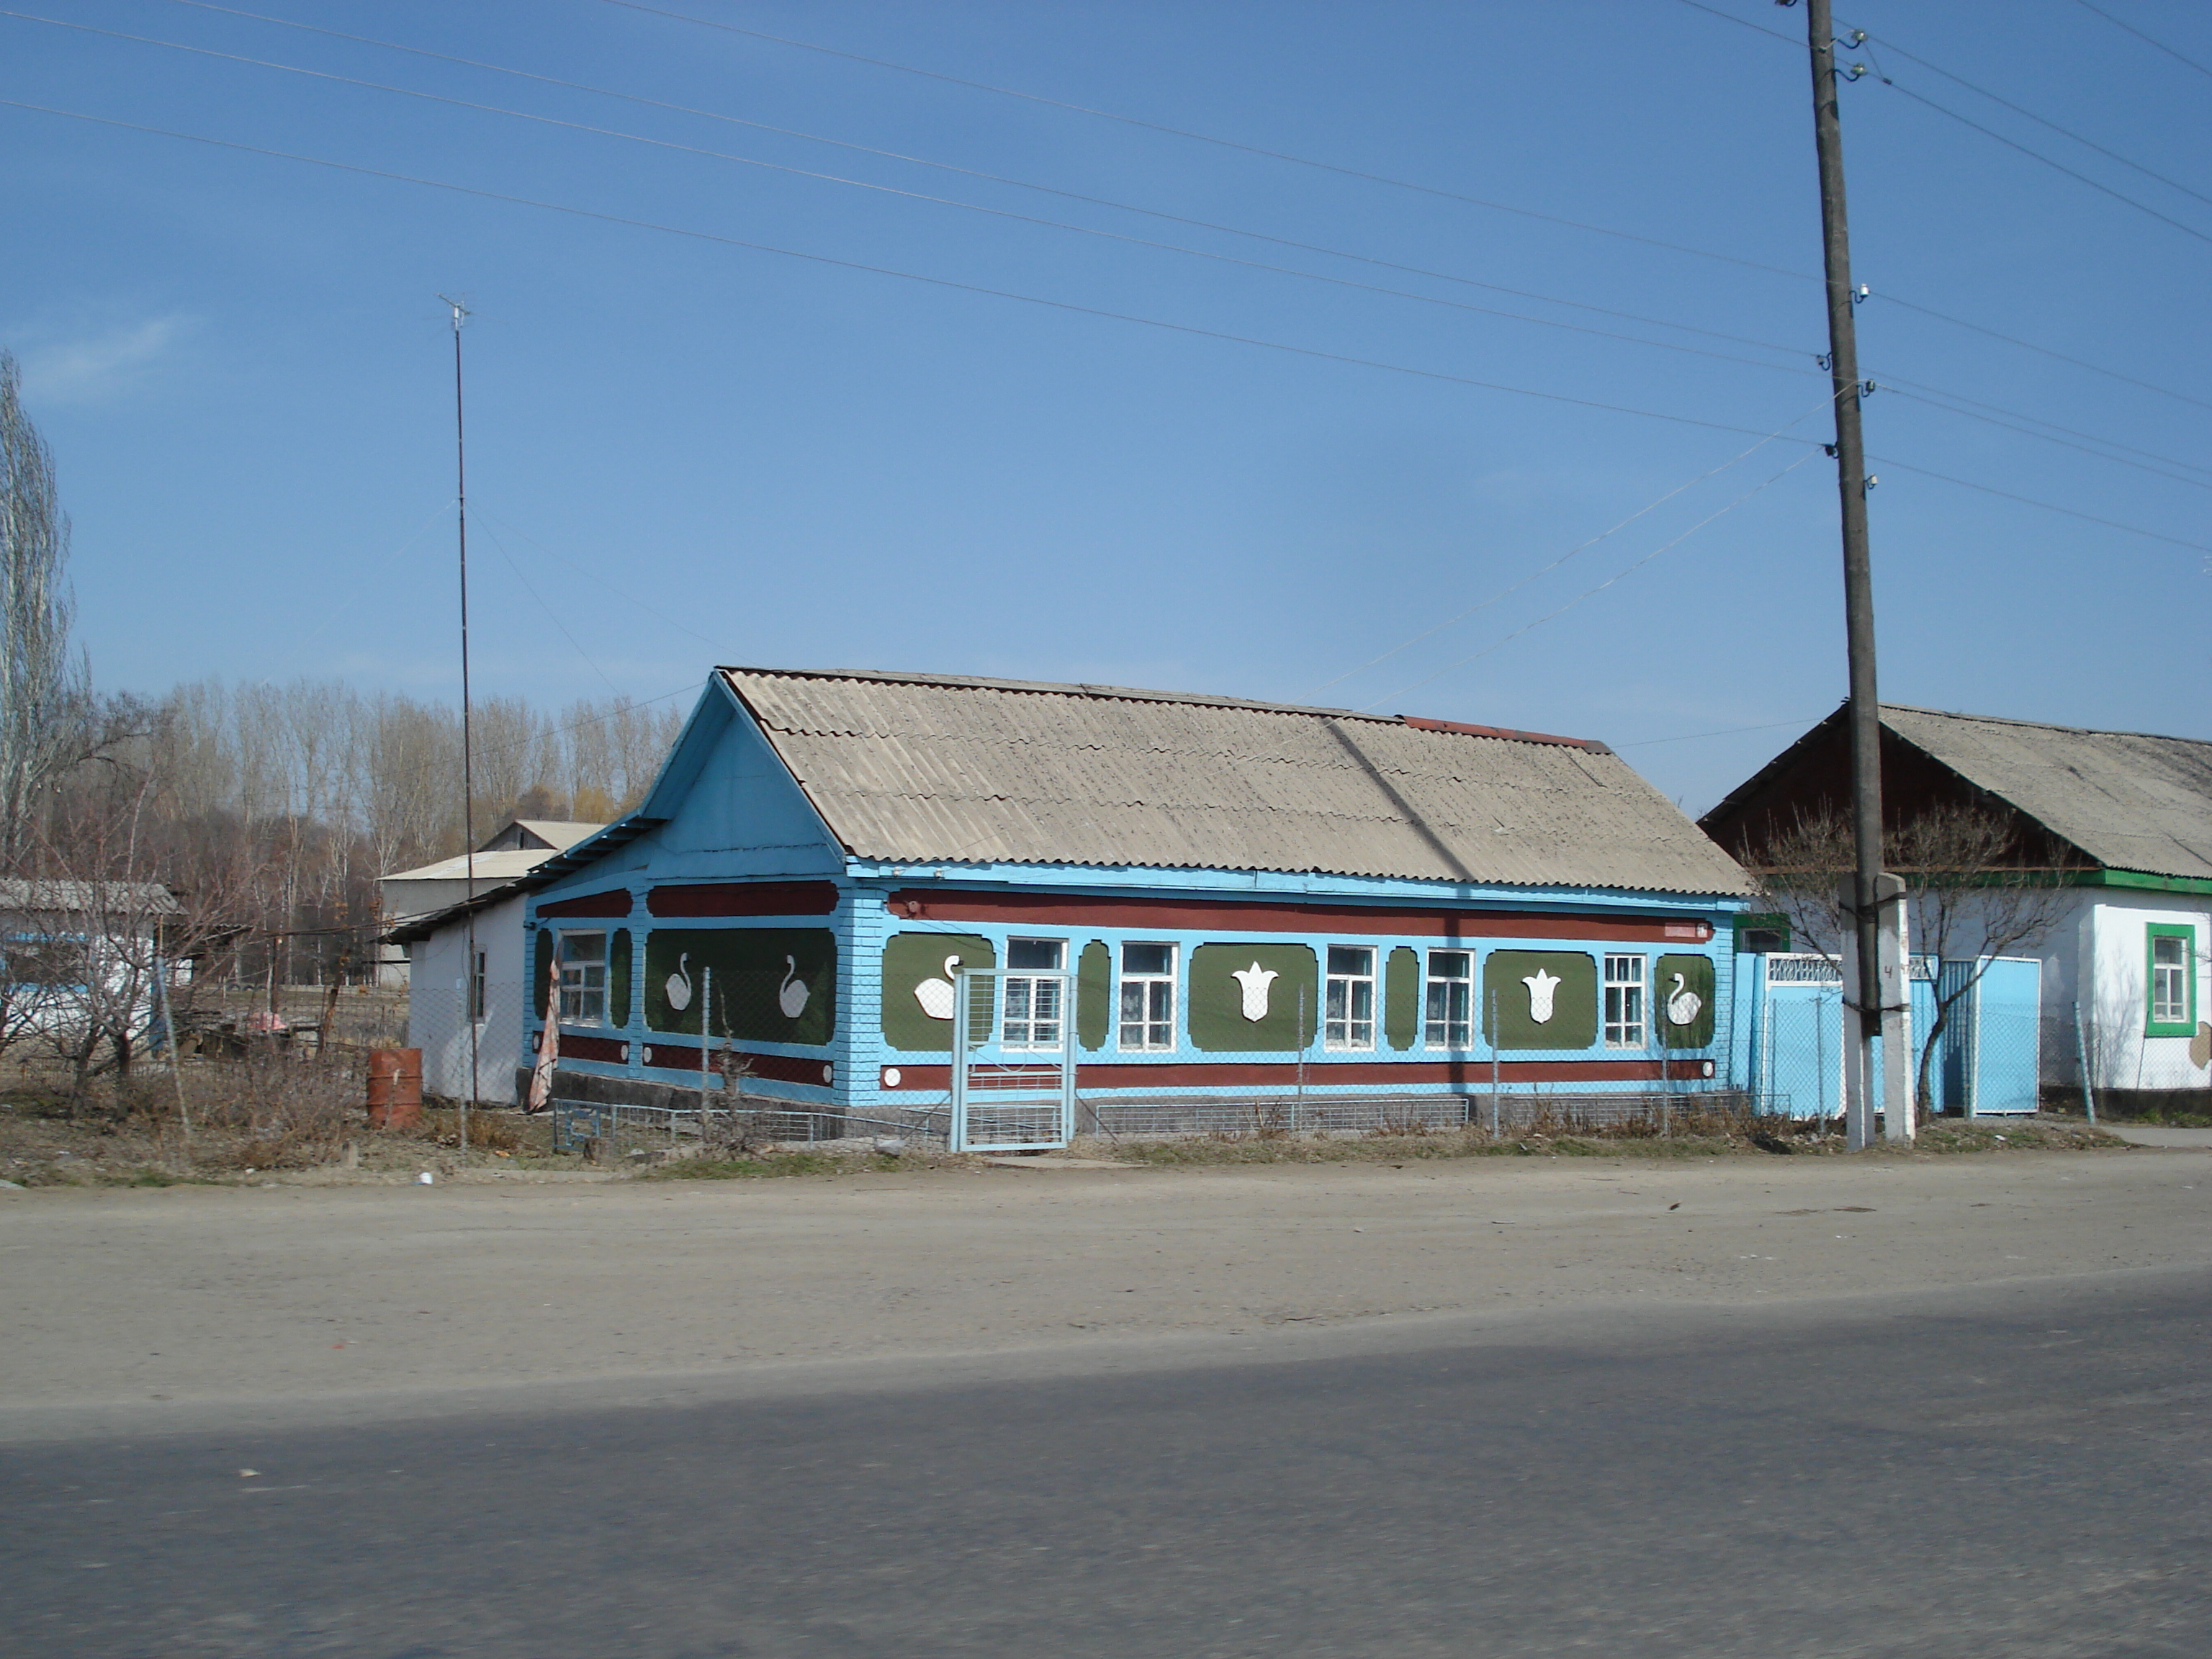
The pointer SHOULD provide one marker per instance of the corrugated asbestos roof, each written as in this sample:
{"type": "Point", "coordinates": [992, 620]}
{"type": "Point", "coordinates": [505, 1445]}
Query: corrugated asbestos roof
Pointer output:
{"type": "Point", "coordinates": [2130, 801]}
{"type": "Point", "coordinates": [55, 895]}
{"type": "Point", "coordinates": [928, 769]}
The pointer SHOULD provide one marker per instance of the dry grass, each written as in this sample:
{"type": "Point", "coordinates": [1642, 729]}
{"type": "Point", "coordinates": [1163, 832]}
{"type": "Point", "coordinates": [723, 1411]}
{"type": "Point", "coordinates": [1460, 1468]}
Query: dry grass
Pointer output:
{"type": "Point", "coordinates": [1687, 1134]}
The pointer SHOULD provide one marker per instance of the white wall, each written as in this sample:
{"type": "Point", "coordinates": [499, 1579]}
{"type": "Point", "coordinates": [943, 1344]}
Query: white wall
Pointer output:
{"type": "Point", "coordinates": [2112, 940]}
{"type": "Point", "coordinates": [437, 1002]}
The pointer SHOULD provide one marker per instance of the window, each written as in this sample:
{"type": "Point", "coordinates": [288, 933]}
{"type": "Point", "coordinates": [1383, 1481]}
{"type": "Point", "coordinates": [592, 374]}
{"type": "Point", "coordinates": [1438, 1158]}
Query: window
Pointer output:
{"type": "Point", "coordinates": [1348, 1004]}
{"type": "Point", "coordinates": [584, 979]}
{"type": "Point", "coordinates": [1624, 1002]}
{"type": "Point", "coordinates": [1033, 1004]}
{"type": "Point", "coordinates": [2172, 989]}
{"type": "Point", "coordinates": [1451, 999]}
{"type": "Point", "coordinates": [477, 991]}
{"type": "Point", "coordinates": [1148, 997]}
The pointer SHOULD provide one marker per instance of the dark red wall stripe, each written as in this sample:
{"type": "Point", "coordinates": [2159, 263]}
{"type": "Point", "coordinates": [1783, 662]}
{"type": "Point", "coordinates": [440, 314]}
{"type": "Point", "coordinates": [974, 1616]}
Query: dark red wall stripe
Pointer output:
{"type": "Point", "coordinates": [609, 1049]}
{"type": "Point", "coordinates": [744, 899]}
{"type": "Point", "coordinates": [614, 903]}
{"type": "Point", "coordinates": [779, 1068]}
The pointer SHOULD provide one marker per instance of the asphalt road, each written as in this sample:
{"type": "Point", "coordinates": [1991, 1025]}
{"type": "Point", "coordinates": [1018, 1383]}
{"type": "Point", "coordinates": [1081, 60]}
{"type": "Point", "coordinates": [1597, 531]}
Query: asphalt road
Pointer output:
{"type": "Point", "coordinates": [2019, 1470]}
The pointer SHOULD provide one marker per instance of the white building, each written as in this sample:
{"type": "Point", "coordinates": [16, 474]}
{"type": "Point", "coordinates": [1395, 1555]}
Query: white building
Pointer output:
{"type": "Point", "coordinates": [2117, 824]}
{"type": "Point", "coordinates": [452, 1002]}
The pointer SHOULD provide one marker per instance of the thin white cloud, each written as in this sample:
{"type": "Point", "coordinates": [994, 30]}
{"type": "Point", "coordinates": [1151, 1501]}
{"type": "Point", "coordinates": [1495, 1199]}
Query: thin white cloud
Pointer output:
{"type": "Point", "coordinates": [87, 369]}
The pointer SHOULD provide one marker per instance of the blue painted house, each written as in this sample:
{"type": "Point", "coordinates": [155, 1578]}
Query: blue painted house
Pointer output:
{"type": "Point", "coordinates": [1211, 904]}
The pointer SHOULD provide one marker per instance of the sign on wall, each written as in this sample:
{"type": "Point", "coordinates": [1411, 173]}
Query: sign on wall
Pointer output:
{"type": "Point", "coordinates": [768, 984]}
{"type": "Point", "coordinates": [1543, 999]}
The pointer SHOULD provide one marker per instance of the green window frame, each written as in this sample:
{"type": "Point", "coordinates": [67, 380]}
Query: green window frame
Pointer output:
{"type": "Point", "coordinates": [2169, 987]}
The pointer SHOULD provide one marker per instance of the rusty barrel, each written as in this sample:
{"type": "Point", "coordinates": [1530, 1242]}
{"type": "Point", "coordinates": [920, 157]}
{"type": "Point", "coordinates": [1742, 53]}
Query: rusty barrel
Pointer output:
{"type": "Point", "coordinates": [395, 1088]}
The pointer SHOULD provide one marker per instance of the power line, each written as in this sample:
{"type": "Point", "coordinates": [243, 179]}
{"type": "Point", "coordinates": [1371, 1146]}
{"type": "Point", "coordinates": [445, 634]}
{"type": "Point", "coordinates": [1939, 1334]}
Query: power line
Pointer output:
{"type": "Point", "coordinates": [2064, 443]}
{"type": "Point", "coordinates": [1725, 732]}
{"type": "Point", "coordinates": [1506, 593]}
{"type": "Point", "coordinates": [1205, 138]}
{"type": "Point", "coordinates": [1891, 45]}
{"type": "Point", "coordinates": [2038, 155]}
{"type": "Point", "coordinates": [2048, 507]}
{"type": "Point", "coordinates": [2044, 351]}
{"type": "Point", "coordinates": [968, 172]}
{"type": "Point", "coordinates": [916, 196]}
{"type": "Point", "coordinates": [1609, 581]}
{"type": "Point", "coordinates": [622, 591]}
{"type": "Point", "coordinates": [1942, 316]}
{"type": "Point", "coordinates": [1892, 383]}
{"type": "Point", "coordinates": [1173, 218]}
{"type": "Point", "coordinates": [948, 283]}
{"type": "Point", "coordinates": [2145, 39]}
{"type": "Point", "coordinates": [945, 283]}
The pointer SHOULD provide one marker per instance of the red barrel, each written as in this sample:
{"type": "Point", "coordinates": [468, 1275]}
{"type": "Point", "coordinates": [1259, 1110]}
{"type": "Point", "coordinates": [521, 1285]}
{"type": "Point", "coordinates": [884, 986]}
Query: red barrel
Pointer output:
{"type": "Point", "coordinates": [395, 1088]}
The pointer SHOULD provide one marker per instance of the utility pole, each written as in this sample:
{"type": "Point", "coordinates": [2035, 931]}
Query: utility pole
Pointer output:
{"type": "Point", "coordinates": [1875, 904]}
{"type": "Point", "coordinates": [468, 758]}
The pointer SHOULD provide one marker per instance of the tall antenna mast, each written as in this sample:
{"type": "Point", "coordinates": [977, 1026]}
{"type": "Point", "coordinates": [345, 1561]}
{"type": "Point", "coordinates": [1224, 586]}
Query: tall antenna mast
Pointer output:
{"type": "Point", "coordinates": [468, 1010]}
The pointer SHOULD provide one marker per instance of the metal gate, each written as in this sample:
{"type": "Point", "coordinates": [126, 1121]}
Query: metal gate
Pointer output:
{"type": "Point", "coordinates": [1014, 1061]}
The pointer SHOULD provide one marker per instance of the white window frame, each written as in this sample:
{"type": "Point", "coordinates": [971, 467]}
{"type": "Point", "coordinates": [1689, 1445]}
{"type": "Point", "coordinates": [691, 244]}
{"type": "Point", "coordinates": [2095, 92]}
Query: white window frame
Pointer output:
{"type": "Point", "coordinates": [1445, 1027]}
{"type": "Point", "coordinates": [2176, 1015]}
{"type": "Point", "coordinates": [1033, 1015]}
{"type": "Point", "coordinates": [1154, 1025]}
{"type": "Point", "coordinates": [583, 998]}
{"type": "Point", "coordinates": [1627, 999]}
{"type": "Point", "coordinates": [1348, 1004]}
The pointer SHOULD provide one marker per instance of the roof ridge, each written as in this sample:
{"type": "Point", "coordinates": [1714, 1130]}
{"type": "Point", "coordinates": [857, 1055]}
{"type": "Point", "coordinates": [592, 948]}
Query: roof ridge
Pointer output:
{"type": "Point", "coordinates": [2040, 725]}
{"type": "Point", "coordinates": [1135, 694]}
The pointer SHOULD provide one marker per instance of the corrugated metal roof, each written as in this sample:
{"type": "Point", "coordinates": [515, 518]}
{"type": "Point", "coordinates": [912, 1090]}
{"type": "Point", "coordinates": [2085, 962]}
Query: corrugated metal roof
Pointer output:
{"type": "Point", "coordinates": [2130, 801]}
{"type": "Point", "coordinates": [560, 833]}
{"type": "Point", "coordinates": [489, 866]}
{"type": "Point", "coordinates": [926, 768]}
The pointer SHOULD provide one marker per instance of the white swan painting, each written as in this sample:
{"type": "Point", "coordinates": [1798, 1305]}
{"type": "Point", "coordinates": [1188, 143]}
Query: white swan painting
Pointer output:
{"type": "Point", "coordinates": [1683, 1005]}
{"type": "Point", "coordinates": [1543, 986]}
{"type": "Point", "coordinates": [680, 984]}
{"type": "Point", "coordinates": [791, 995]}
{"type": "Point", "coordinates": [1253, 981]}
{"type": "Point", "coordinates": [935, 995]}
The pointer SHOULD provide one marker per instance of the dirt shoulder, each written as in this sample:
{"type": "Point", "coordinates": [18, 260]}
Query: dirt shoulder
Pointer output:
{"type": "Point", "coordinates": [146, 1301]}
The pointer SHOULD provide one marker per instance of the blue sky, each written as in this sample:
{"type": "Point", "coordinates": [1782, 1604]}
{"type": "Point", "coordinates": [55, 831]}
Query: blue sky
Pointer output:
{"type": "Point", "coordinates": [682, 451]}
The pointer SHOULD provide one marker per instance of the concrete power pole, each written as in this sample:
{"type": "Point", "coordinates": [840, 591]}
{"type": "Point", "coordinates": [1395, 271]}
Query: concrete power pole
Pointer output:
{"type": "Point", "coordinates": [1876, 905]}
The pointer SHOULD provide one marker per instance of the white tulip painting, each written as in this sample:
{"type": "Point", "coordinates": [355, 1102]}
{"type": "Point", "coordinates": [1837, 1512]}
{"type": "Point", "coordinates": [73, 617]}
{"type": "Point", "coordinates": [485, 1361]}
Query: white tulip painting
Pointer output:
{"type": "Point", "coordinates": [1543, 986]}
{"type": "Point", "coordinates": [1253, 981]}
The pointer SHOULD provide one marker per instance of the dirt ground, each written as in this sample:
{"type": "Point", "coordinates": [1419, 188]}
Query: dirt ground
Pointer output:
{"type": "Point", "coordinates": [133, 1306]}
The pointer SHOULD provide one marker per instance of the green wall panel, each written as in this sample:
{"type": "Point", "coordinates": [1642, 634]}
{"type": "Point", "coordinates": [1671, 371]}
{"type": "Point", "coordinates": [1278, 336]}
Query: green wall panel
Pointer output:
{"type": "Point", "coordinates": [619, 964]}
{"type": "Point", "coordinates": [1216, 998]}
{"type": "Point", "coordinates": [1573, 1021]}
{"type": "Point", "coordinates": [770, 984]}
{"type": "Point", "coordinates": [1696, 974]}
{"type": "Point", "coordinates": [1401, 998]}
{"type": "Point", "coordinates": [1094, 994]}
{"type": "Point", "coordinates": [910, 960]}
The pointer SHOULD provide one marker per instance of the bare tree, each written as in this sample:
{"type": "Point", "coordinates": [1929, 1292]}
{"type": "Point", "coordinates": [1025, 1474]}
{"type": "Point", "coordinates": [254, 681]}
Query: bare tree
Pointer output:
{"type": "Point", "coordinates": [44, 688]}
{"type": "Point", "coordinates": [1969, 897]}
